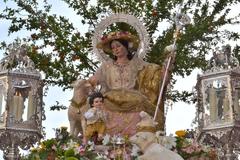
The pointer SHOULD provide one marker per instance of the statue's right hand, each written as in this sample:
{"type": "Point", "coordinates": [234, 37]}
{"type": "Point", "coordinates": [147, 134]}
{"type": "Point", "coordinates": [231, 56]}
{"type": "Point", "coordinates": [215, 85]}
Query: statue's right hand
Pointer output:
{"type": "Point", "coordinates": [170, 48]}
{"type": "Point", "coordinates": [88, 115]}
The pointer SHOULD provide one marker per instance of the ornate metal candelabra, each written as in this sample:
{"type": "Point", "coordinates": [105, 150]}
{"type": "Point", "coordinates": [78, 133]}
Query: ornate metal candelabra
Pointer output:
{"type": "Point", "coordinates": [21, 111]}
{"type": "Point", "coordinates": [219, 104]}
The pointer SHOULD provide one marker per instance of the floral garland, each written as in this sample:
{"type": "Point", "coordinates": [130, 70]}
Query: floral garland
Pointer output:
{"type": "Point", "coordinates": [64, 147]}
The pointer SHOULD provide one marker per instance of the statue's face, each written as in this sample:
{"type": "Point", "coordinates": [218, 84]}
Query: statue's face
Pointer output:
{"type": "Point", "coordinates": [97, 102]}
{"type": "Point", "coordinates": [118, 49]}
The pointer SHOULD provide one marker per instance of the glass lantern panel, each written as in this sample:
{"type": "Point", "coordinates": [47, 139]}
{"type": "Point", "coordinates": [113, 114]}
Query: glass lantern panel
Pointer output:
{"type": "Point", "coordinates": [236, 103]}
{"type": "Point", "coordinates": [25, 109]}
{"type": "Point", "coordinates": [216, 102]}
{"type": "Point", "coordinates": [2, 103]}
{"type": "Point", "coordinates": [29, 107]}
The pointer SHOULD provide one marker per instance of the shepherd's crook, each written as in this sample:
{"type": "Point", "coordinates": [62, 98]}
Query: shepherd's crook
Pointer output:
{"type": "Point", "coordinates": [181, 20]}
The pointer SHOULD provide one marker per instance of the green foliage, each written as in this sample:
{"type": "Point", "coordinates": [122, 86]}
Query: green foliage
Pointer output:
{"type": "Point", "coordinates": [63, 147]}
{"type": "Point", "coordinates": [58, 107]}
{"type": "Point", "coordinates": [69, 153]}
{"type": "Point", "coordinates": [71, 158]}
{"type": "Point", "coordinates": [62, 51]}
{"type": "Point", "coordinates": [48, 144]}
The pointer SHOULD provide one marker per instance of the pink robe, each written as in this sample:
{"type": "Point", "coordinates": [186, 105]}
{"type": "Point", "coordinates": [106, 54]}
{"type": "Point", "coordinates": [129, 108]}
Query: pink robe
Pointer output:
{"type": "Point", "coordinates": [112, 77]}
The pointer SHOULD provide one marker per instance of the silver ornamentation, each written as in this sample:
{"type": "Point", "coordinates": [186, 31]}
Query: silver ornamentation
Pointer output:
{"type": "Point", "coordinates": [18, 54]}
{"type": "Point", "coordinates": [21, 105]}
{"type": "Point", "coordinates": [218, 107]}
{"type": "Point", "coordinates": [143, 48]}
{"type": "Point", "coordinates": [181, 20]}
{"type": "Point", "coordinates": [222, 60]}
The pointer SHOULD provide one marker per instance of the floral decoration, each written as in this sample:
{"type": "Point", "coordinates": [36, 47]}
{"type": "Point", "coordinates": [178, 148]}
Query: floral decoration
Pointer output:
{"type": "Point", "coordinates": [188, 147]}
{"type": "Point", "coordinates": [65, 147]}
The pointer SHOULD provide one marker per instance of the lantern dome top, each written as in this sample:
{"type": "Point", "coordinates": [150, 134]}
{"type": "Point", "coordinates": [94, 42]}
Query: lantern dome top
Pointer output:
{"type": "Point", "coordinates": [222, 59]}
{"type": "Point", "coordinates": [17, 60]}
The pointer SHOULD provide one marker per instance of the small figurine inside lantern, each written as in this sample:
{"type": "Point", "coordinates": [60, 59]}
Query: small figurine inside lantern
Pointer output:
{"type": "Point", "coordinates": [216, 104]}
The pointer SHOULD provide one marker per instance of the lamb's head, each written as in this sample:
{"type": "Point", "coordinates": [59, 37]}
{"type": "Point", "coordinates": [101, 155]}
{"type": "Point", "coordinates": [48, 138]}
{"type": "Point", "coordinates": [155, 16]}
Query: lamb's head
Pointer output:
{"type": "Point", "coordinates": [143, 139]}
{"type": "Point", "coordinates": [146, 129]}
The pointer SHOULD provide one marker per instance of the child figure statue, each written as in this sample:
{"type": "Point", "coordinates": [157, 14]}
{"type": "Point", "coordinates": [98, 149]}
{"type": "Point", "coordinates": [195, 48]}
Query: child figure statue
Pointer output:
{"type": "Point", "coordinates": [95, 117]}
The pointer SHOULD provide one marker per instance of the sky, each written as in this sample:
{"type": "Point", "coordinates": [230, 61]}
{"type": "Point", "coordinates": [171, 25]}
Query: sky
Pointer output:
{"type": "Point", "coordinates": [179, 116]}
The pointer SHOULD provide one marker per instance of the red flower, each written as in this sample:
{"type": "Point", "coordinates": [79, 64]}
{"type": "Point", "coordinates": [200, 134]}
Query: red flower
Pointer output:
{"type": "Point", "coordinates": [34, 36]}
{"type": "Point", "coordinates": [103, 38]}
{"type": "Point", "coordinates": [75, 57]}
{"type": "Point", "coordinates": [154, 13]}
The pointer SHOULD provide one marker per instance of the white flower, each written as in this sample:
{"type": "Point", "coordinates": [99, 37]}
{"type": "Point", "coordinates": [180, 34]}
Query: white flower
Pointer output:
{"type": "Point", "coordinates": [106, 152]}
{"type": "Point", "coordinates": [54, 147]}
{"type": "Point", "coordinates": [167, 141]}
{"type": "Point", "coordinates": [91, 146]}
{"type": "Point", "coordinates": [101, 156]}
{"type": "Point", "coordinates": [71, 144]}
{"type": "Point", "coordinates": [206, 147]}
{"type": "Point", "coordinates": [76, 150]}
{"type": "Point", "coordinates": [114, 139]}
{"type": "Point", "coordinates": [106, 139]}
{"type": "Point", "coordinates": [90, 143]}
{"type": "Point", "coordinates": [135, 150]}
{"type": "Point", "coordinates": [79, 134]}
{"type": "Point", "coordinates": [119, 140]}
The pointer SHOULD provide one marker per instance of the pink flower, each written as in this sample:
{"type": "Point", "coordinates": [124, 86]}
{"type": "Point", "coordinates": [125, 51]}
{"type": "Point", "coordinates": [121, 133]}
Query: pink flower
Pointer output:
{"type": "Point", "coordinates": [54, 147]}
{"type": "Point", "coordinates": [81, 150]}
{"type": "Point", "coordinates": [64, 147]}
{"type": "Point", "coordinates": [104, 38]}
{"type": "Point", "coordinates": [192, 148]}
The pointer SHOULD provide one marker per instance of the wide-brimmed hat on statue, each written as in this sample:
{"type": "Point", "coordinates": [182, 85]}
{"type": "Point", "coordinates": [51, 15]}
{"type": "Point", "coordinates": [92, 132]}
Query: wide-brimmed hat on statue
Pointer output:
{"type": "Point", "coordinates": [104, 44]}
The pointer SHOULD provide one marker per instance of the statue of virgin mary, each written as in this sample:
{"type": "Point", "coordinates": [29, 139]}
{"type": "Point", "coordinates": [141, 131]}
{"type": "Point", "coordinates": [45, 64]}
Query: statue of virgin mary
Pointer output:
{"type": "Point", "coordinates": [129, 84]}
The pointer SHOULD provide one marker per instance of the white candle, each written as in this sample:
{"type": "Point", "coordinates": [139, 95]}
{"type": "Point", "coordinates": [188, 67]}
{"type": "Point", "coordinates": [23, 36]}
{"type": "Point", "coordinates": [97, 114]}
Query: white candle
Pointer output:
{"type": "Point", "coordinates": [18, 107]}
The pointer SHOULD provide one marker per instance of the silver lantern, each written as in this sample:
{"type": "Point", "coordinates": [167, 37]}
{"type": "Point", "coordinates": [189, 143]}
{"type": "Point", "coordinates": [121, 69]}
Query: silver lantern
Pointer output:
{"type": "Point", "coordinates": [218, 108]}
{"type": "Point", "coordinates": [21, 106]}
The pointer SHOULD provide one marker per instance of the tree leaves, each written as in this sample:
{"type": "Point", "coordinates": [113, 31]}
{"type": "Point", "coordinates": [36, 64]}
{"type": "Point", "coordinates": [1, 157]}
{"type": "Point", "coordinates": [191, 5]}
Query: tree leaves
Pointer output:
{"type": "Point", "coordinates": [62, 51]}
